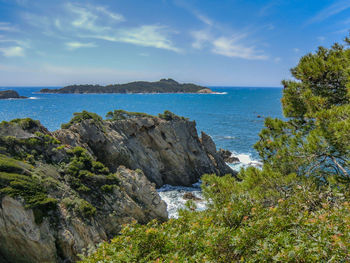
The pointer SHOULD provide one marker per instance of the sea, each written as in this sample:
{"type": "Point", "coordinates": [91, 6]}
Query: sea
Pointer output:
{"type": "Point", "coordinates": [232, 116]}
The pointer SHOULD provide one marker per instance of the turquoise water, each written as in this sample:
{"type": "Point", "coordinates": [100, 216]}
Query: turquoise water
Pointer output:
{"type": "Point", "coordinates": [230, 117]}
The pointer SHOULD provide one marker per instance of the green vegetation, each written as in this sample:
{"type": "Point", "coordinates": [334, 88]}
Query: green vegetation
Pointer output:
{"type": "Point", "coordinates": [16, 180]}
{"type": "Point", "coordinates": [89, 177]}
{"type": "Point", "coordinates": [169, 116]}
{"type": "Point", "coordinates": [81, 116]}
{"type": "Point", "coordinates": [162, 86]}
{"type": "Point", "coordinates": [117, 115]}
{"type": "Point", "coordinates": [25, 124]}
{"type": "Point", "coordinates": [295, 209]}
{"type": "Point", "coordinates": [40, 146]}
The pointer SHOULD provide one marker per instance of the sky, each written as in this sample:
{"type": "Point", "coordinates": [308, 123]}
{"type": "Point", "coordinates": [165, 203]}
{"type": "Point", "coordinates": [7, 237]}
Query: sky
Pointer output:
{"type": "Point", "coordinates": [213, 43]}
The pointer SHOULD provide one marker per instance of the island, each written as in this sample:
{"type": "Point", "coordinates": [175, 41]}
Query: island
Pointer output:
{"type": "Point", "coordinates": [162, 86]}
{"type": "Point", "coordinates": [10, 94]}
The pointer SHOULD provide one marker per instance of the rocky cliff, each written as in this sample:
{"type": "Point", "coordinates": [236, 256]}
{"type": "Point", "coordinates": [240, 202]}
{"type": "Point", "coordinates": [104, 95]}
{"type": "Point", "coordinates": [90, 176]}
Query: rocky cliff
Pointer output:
{"type": "Point", "coordinates": [62, 193]}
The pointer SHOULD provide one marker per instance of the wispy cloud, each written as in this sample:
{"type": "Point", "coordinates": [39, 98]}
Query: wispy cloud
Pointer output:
{"type": "Point", "coordinates": [334, 9]}
{"type": "Point", "coordinates": [225, 44]}
{"type": "Point", "coordinates": [147, 35]}
{"type": "Point", "coordinates": [76, 45]}
{"type": "Point", "coordinates": [98, 22]}
{"type": "Point", "coordinates": [231, 47]}
{"type": "Point", "coordinates": [201, 37]}
{"type": "Point", "coordinates": [5, 26]}
{"type": "Point", "coordinates": [203, 18]}
{"type": "Point", "coordinates": [15, 51]}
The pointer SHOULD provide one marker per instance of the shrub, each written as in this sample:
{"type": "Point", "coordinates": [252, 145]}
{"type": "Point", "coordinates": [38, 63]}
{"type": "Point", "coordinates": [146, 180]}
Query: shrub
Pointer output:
{"type": "Point", "coordinates": [123, 115]}
{"type": "Point", "coordinates": [81, 116]}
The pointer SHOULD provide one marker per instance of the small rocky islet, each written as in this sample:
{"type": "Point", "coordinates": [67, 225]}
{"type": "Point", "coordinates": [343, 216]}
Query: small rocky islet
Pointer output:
{"type": "Point", "coordinates": [10, 94]}
{"type": "Point", "coordinates": [161, 86]}
{"type": "Point", "coordinates": [64, 192]}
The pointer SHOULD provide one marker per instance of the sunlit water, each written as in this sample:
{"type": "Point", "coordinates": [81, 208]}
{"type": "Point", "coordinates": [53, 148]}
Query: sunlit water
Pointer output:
{"type": "Point", "coordinates": [232, 116]}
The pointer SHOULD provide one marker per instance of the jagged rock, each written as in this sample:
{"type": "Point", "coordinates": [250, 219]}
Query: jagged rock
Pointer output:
{"type": "Point", "coordinates": [168, 152]}
{"type": "Point", "coordinates": [228, 157]}
{"type": "Point", "coordinates": [10, 94]}
{"type": "Point", "coordinates": [210, 148]}
{"type": "Point", "coordinates": [191, 196]}
{"type": "Point", "coordinates": [57, 201]}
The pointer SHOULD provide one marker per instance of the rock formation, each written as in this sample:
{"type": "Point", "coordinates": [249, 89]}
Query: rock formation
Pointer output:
{"type": "Point", "coordinates": [62, 193]}
{"type": "Point", "coordinates": [228, 157]}
{"type": "Point", "coordinates": [10, 94]}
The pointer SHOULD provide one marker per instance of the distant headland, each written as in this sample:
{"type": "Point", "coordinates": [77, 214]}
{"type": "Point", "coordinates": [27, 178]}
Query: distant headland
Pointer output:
{"type": "Point", "coordinates": [10, 94]}
{"type": "Point", "coordinates": [162, 86]}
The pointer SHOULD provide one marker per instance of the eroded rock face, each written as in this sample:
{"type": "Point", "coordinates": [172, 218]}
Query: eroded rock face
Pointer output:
{"type": "Point", "coordinates": [168, 152]}
{"type": "Point", "coordinates": [63, 235]}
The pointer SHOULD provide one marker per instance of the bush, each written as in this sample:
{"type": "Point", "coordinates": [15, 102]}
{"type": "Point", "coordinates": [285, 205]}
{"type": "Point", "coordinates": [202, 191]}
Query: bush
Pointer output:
{"type": "Point", "coordinates": [169, 116]}
{"type": "Point", "coordinates": [81, 116]}
{"type": "Point", "coordinates": [117, 115]}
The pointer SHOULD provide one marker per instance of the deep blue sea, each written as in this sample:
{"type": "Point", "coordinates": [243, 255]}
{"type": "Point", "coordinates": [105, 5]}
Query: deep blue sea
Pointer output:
{"type": "Point", "coordinates": [230, 117]}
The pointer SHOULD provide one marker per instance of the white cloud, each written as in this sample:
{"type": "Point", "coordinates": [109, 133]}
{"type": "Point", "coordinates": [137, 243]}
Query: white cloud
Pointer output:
{"type": "Point", "coordinates": [76, 45]}
{"type": "Point", "coordinates": [15, 51]}
{"type": "Point", "coordinates": [230, 47]}
{"type": "Point", "coordinates": [203, 18]}
{"type": "Point", "coordinates": [147, 35]}
{"type": "Point", "coordinates": [114, 16]}
{"type": "Point", "coordinates": [88, 17]}
{"type": "Point", "coordinates": [226, 46]}
{"type": "Point", "coordinates": [5, 26]}
{"type": "Point", "coordinates": [200, 38]}
{"type": "Point", "coordinates": [334, 9]}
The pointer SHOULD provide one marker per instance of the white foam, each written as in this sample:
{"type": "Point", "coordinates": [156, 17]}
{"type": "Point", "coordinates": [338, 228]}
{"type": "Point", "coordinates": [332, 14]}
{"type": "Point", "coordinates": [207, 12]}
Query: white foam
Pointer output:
{"type": "Point", "coordinates": [173, 195]}
{"type": "Point", "coordinates": [219, 93]}
{"type": "Point", "coordinates": [245, 160]}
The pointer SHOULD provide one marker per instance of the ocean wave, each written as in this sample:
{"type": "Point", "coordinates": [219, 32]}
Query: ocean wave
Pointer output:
{"type": "Point", "coordinates": [173, 195]}
{"type": "Point", "coordinates": [219, 93]}
{"type": "Point", "coordinates": [245, 160]}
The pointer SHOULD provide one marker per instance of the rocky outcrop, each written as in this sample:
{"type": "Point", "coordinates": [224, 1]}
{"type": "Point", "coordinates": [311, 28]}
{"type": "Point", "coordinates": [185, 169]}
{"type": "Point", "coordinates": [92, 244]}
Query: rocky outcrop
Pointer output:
{"type": "Point", "coordinates": [228, 157]}
{"type": "Point", "coordinates": [167, 151]}
{"type": "Point", "coordinates": [10, 94]}
{"type": "Point", "coordinates": [205, 91]}
{"type": "Point", "coordinates": [64, 192]}
{"type": "Point", "coordinates": [215, 157]}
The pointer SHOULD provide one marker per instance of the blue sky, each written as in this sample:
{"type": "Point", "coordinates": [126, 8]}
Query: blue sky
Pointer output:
{"type": "Point", "coordinates": [222, 43]}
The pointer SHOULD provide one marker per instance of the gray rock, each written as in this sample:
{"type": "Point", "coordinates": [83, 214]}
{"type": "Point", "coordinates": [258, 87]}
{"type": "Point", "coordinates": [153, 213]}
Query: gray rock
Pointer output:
{"type": "Point", "coordinates": [168, 152]}
{"type": "Point", "coordinates": [228, 157]}
{"type": "Point", "coordinates": [10, 94]}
